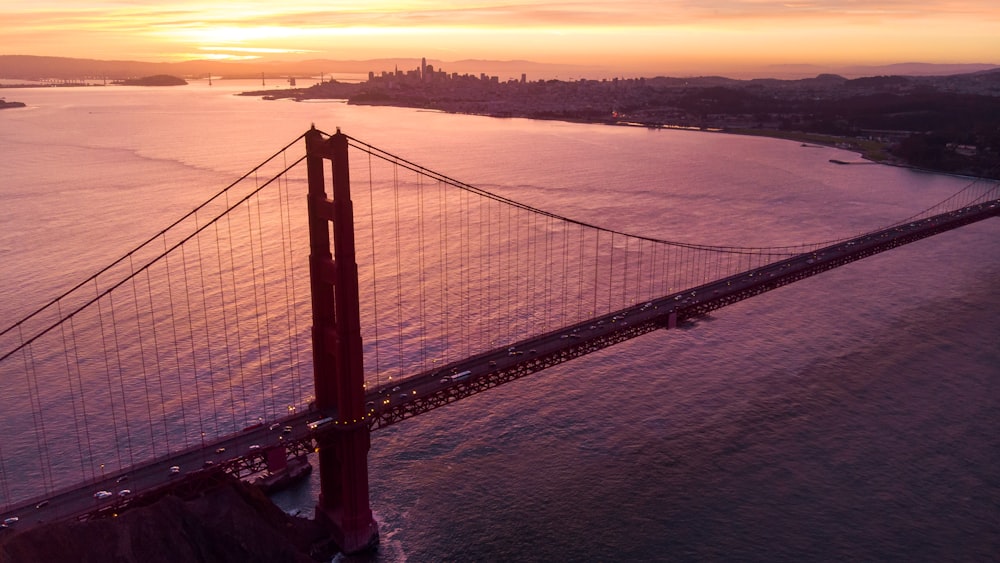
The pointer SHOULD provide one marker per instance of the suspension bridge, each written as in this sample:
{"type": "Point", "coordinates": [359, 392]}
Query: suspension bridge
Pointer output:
{"type": "Point", "coordinates": [221, 345]}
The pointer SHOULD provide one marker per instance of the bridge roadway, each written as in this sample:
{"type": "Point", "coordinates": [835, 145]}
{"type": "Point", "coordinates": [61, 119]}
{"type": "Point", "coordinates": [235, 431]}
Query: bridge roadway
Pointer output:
{"type": "Point", "coordinates": [435, 388]}
{"type": "Point", "coordinates": [240, 454]}
{"type": "Point", "coordinates": [237, 454]}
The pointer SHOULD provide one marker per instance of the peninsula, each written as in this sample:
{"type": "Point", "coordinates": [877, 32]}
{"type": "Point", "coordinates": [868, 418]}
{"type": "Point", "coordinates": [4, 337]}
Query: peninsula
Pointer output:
{"type": "Point", "coordinates": [942, 123]}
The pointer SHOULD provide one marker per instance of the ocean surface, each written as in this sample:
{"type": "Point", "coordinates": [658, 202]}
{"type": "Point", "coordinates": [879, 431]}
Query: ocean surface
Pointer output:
{"type": "Point", "coordinates": [850, 416]}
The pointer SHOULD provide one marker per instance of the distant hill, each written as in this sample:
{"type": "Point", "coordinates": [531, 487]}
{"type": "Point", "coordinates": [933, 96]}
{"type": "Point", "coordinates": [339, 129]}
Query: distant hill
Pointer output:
{"type": "Point", "coordinates": [916, 69]}
{"type": "Point", "coordinates": [29, 67]}
{"type": "Point", "coordinates": [155, 80]}
{"type": "Point", "coordinates": [858, 71]}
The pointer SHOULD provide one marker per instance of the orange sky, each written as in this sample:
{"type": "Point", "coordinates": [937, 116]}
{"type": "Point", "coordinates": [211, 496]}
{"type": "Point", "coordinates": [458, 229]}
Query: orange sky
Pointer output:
{"type": "Point", "coordinates": [661, 36]}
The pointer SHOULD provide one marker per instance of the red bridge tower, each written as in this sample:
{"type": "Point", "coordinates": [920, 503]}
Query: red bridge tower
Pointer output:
{"type": "Point", "coordinates": [338, 367]}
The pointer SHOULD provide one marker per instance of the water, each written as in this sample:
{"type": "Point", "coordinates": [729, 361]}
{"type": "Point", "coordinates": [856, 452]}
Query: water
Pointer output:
{"type": "Point", "coordinates": [849, 416]}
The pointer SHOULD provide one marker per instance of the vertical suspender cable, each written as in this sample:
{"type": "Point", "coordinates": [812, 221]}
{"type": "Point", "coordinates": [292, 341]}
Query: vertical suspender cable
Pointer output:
{"type": "Point", "coordinates": [37, 413]}
{"type": "Point", "coordinates": [262, 346]}
{"type": "Point", "coordinates": [597, 268]}
{"type": "Point", "coordinates": [159, 368]}
{"type": "Point", "coordinates": [69, 382]}
{"type": "Point", "coordinates": [238, 360]}
{"type": "Point", "coordinates": [375, 319]}
{"type": "Point", "coordinates": [142, 354]}
{"type": "Point", "coordinates": [121, 379]}
{"type": "Point", "coordinates": [194, 355]}
{"type": "Point", "coordinates": [225, 337]}
{"type": "Point", "coordinates": [288, 269]}
{"type": "Point", "coordinates": [107, 372]}
{"type": "Point", "coordinates": [421, 265]}
{"type": "Point", "coordinates": [208, 338]}
{"type": "Point", "coordinates": [83, 396]}
{"type": "Point", "coordinates": [399, 278]}
{"type": "Point", "coordinates": [611, 272]}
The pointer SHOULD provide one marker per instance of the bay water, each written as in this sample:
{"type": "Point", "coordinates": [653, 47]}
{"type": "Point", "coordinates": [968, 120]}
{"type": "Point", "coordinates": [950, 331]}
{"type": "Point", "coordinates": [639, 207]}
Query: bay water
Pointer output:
{"type": "Point", "coordinates": [850, 416]}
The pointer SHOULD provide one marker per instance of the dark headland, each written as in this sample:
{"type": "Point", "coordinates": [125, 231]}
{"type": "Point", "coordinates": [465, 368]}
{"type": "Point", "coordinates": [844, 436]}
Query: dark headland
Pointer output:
{"type": "Point", "coordinates": [231, 522]}
{"type": "Point", "coordinates": [155, 80]}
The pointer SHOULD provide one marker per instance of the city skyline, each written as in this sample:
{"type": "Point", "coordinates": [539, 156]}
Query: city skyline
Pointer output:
{"type": "Point", "coordinates": [655, 37]}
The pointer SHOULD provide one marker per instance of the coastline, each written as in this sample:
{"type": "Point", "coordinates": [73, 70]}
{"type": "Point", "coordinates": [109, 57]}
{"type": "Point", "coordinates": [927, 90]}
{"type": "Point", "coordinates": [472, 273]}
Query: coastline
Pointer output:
{"type": "Point", "coordinates": [941, 124]}
{"type": "Point", "coordinates": [874, 152]}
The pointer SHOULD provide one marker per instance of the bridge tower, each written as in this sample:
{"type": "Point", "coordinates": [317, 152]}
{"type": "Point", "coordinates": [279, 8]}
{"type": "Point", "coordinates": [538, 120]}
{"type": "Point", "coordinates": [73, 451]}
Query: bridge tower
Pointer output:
{"type": "Point", "coordinates": [338, 368]}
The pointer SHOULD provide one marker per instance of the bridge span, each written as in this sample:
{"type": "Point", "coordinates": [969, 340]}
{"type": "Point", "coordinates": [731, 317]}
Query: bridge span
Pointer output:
{"type": "Point", "coordinates": [198, 340]}
{"type": "Point", "coordinates": [270, 444]}
{"type": "Point", "coordinates": [435, 388]}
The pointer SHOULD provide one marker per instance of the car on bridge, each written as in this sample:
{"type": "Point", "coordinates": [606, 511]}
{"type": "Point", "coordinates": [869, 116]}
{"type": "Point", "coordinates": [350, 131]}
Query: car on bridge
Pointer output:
{"type": "Point", "coordinates": [321, 422]}
{"type": "Point", "coordinates": [102, 495]}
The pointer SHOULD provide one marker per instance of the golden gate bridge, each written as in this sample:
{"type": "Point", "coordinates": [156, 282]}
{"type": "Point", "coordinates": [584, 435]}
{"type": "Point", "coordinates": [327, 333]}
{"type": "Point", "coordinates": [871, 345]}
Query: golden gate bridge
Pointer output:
{"type": "Point", "coordinates": [220, 345]}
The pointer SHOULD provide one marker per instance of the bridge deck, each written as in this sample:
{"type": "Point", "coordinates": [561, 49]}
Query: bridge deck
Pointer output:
{"type": "Point", "coordinates": [433, 389]}
{"type": "Point", "coordinates": [247, 452]}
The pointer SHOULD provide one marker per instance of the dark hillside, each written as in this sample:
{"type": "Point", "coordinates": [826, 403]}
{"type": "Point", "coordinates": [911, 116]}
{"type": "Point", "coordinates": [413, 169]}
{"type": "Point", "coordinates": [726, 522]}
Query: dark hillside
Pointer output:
{"type": "Point", "coordinates": [232, 523]}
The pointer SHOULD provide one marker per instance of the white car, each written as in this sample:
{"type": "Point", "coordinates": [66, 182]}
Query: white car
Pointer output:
{"type": "Point", "coordinates": [175, 470]}
{"type": "Point", "coordinates": [124, 492]}
{"type": "Point", "coordinates": [101, 495]}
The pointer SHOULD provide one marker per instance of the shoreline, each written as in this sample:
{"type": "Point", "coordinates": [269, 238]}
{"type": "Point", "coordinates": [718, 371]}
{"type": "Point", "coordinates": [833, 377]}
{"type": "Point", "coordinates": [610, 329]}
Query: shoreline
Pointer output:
{"type": "Point", "coordinates": [876, 117]}
{"type": "Point", "coordinates": [873, 152]}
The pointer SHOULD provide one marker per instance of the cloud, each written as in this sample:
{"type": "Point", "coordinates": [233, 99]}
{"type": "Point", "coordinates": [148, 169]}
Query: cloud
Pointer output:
{"type": "Point", "coordinates": [505, 29]}
{"type": "Point", "coordinates": [496, 14]}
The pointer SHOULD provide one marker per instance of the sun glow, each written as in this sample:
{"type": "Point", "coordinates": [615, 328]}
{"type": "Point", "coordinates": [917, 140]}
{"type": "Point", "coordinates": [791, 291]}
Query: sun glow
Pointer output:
{"type": "Point", "coordinates": [553, 31]}
{"type": "Point", "coordinates": [230, 34]}
{"type": "Point", "coordinates": [254, 50]}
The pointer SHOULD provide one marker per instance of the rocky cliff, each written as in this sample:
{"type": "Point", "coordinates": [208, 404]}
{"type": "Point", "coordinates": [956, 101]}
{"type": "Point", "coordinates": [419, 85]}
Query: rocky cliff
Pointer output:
{"type": "Point", "coordinates": [234, 522]}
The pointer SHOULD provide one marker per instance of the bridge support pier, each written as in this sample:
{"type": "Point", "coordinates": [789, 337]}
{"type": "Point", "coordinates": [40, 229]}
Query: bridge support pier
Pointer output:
{"type": "Point", "coordinates": [343, 500]}
{"type": "Point", "coordinates": [338, 360]}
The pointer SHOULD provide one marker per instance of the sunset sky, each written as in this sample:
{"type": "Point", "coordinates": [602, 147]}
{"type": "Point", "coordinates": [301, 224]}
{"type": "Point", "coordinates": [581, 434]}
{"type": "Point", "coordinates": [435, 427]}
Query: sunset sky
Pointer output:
{"type": "Point", "coordinates": [647, 35]}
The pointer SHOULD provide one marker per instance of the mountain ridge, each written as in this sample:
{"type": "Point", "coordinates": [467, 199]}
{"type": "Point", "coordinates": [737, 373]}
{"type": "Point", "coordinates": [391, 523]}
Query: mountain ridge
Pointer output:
{"type": "Point", "coordinates": [34, 67]}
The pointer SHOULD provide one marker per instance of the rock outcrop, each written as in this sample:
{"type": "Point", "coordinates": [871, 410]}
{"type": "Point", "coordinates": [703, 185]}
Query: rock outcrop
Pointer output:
{"type": "Point", "coordinates": [235, 522]}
